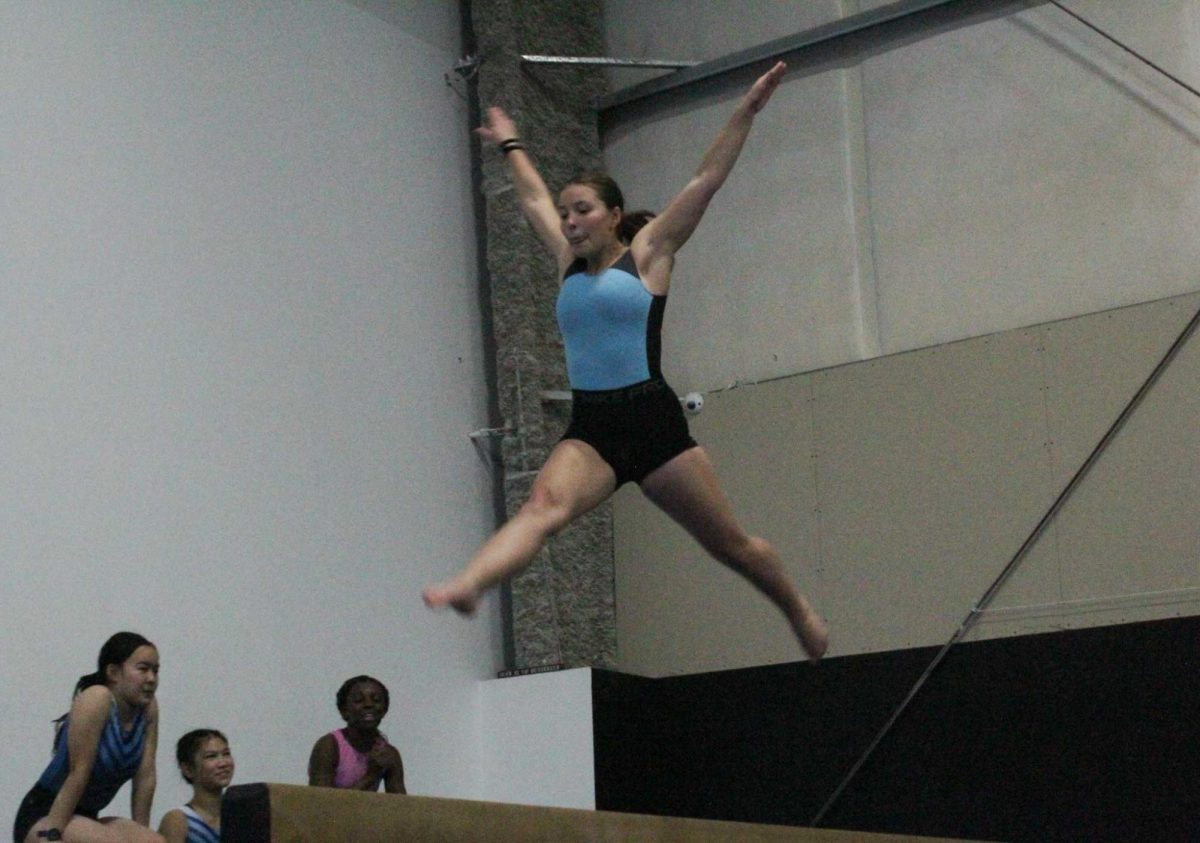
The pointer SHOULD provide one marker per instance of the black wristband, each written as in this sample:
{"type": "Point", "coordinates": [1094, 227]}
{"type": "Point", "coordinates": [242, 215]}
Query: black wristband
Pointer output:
{"type": "Point", "coordinates": [50, 834]}
{"type": "Point", "coordinates": [507, 146]}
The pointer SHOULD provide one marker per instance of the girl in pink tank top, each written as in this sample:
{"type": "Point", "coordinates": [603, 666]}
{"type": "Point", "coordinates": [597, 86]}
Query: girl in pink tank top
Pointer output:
{"type": "Point", "coordinates": [358, 756]}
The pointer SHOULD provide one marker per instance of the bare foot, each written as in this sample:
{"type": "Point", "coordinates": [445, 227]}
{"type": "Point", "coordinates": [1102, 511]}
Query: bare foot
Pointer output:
{"type": "Point", "coordinates": [460, 596]}
{"type": "Point", "coordinates": [810, 628]}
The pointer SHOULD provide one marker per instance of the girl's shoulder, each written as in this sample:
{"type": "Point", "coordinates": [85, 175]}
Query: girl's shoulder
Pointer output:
{"type": "Point", "coordinates": [327, 741]}
{"type": "Point", "coordinates": [99, 692]}
{"type": "Point", "coordinates": [174, 824]}
{"type": "Point", "coordinates": [93, 699]}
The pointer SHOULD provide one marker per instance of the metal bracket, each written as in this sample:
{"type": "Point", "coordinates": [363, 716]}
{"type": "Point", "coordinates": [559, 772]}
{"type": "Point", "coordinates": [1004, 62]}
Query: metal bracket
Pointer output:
{"type": "Point", "coordinates": [487, 442]}
{"type": "Point", "coordinates": [465, 68]}
{"type": "Point", "coordinates": [662, 64]}
{"type": "Point", "coordinates": [462, 72]}
{"type": "Point", "coordinates": [492, 432]}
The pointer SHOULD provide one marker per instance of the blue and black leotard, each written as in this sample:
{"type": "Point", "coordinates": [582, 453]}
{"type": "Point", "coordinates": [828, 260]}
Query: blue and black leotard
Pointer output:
{"type": "Point", "coordinates": [612, 332]}
{"type": "Point", "coordinates": [611, 326]}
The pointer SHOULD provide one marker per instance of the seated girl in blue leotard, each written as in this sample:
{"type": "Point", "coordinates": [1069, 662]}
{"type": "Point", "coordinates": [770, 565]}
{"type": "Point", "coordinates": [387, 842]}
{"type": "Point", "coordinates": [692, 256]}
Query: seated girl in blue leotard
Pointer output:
{"type": "Point", "coordinates": [207, 765]}
{"type": "Point", "coordinates": [108, 737]}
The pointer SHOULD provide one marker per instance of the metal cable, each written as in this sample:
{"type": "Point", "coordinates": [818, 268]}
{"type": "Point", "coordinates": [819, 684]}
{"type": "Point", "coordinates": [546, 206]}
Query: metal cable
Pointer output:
{"type": "Point", "coordinates": [1127, 49]}
{"type": "Point", "coordinates": [989, 595]}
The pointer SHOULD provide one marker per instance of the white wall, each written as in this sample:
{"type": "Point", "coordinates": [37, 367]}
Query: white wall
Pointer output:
{"type": "Point", "coordinates": [538, 746]}
{"type": "Point", "coordinates": [1025, 170]}
{"type": "Point", "coordinates": [239, 320]}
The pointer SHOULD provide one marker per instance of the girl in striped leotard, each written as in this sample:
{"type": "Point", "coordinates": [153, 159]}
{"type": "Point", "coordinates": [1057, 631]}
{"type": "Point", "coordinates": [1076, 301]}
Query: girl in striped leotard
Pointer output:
{"type": "Point", "coordinates": [207, 765]}
{"type": "Point", "coordinates": [108, 738]}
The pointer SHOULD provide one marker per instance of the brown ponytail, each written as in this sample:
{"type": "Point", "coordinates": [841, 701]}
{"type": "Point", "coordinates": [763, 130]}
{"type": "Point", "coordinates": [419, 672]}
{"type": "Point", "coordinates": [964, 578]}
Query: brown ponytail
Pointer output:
{"type": "Point", "coordinates": [632, 223]}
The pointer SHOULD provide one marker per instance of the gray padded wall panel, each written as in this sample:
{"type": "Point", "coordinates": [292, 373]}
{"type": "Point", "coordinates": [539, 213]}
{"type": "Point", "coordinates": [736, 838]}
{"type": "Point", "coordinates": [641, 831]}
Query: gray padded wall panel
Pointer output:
{"type": "Point", "coordinates": [930, 463]}
{"type": "Point", "coordinates": [1133, 527]}
{"type": "Point", "coordinates": [898, 488]}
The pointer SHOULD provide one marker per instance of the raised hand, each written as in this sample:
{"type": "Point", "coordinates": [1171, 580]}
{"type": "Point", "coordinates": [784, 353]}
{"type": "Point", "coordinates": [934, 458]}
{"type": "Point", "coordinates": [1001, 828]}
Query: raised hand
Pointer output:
{"type": "Point", "coordinates": [497, 126]}
{"type": "Point", "coordinates": [762, 89]}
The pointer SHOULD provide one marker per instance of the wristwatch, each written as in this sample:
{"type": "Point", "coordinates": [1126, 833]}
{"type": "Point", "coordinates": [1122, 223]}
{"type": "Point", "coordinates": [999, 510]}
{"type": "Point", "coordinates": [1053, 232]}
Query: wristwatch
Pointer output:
{"type": "Point", "coordinates": [50, 834]}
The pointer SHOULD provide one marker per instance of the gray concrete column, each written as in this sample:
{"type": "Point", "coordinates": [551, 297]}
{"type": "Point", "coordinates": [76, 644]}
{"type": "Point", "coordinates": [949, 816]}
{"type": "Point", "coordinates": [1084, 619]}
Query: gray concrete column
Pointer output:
{"type": "Point", "coordinates": [561, 608]}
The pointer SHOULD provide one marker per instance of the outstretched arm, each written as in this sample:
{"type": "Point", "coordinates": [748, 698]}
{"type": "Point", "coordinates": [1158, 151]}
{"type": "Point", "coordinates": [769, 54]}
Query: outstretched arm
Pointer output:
{"type": "Point", "coordinates": [535, 199]}
{"type": "Point", "coordinates": [322, 762]}
{"type": "Point", "coordinates": [145, 779]}
{"type": "Point", "coordinates": [656, 244]}
{"type": "Point", "coordinates": [386, 758]}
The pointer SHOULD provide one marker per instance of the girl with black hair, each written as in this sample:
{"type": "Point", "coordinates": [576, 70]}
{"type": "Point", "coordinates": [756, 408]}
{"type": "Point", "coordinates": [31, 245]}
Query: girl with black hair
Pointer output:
{"type": "Point", "coordinates": [359, 756]}
{"type": "Point", "coordinates": [205, 763]}
{"type": "Point", "coordinates": [107, 738]}
{"type": "Point", "coordinates": [626, 423]}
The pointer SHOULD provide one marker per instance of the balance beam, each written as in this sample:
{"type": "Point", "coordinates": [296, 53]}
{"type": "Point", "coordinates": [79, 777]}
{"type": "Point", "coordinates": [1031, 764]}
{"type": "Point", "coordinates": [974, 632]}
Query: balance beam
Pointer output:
{"type": "Point", "coordinates": [281, 813]}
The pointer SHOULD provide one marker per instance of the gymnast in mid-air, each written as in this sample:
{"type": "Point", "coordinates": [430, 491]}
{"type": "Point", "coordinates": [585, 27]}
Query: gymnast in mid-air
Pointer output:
{"type": "Point", "coordinates": [626, 422]}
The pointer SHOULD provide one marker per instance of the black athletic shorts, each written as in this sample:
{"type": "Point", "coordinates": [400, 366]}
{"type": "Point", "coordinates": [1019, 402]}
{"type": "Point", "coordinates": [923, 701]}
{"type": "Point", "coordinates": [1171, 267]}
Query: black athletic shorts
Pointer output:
{"type": "Point", "coordinates": [635, 429]}
{"type": "Point", "coordinates": [36, 805]}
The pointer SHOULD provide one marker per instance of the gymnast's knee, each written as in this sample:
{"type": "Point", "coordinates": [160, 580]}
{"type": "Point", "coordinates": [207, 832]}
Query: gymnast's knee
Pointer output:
{"type": "Point", "coordinates": [739, 549]}
{"type": "Point", "coordinates": [545, 510]}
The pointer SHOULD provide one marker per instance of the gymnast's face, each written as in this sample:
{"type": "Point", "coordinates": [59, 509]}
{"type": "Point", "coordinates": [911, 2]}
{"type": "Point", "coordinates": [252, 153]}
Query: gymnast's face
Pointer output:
{"type": "Point", "coordinates": [365, 706]}
{"type": "Point", "coordinates": [135, 680]}
{"type": "Point", "coordinates": [212, 765]}
{"type": "Point", "coordinates": [588, 224]}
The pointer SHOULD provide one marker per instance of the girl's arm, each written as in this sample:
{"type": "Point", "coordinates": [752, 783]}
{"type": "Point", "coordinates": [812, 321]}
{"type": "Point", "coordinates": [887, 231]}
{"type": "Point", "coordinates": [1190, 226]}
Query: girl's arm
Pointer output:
{"type": "Point", "coordinates": [654, 247]}
{"type": "Point", "coordinates": [322, 763]}
{"type": "Point", "coordinates": [145, 779]}
{"type": "Point", "coordinates": [89, 713]}
{"type": "Point", "coordinates": [388, 758]}
{"type": "Point", "coordinates": [174, 826]}
{"type": "Point", "coordinates": [536, 202]}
